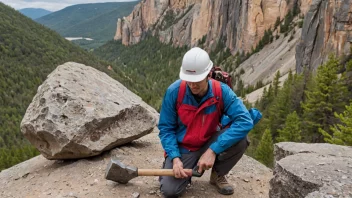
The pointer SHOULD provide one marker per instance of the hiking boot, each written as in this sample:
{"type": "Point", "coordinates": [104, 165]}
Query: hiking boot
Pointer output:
{"type": "Point", "coordinates": [221, 184]}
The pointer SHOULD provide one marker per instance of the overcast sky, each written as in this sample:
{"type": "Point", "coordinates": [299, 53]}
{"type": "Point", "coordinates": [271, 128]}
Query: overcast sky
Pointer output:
{"type": "Point", "coordinates": [52, 5]}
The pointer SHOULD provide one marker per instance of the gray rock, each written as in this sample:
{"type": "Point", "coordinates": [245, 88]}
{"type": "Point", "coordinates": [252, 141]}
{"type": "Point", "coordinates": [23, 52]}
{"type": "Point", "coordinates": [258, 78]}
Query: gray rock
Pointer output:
{"type": "Point", "coordinates": [284, 149]}
{"type": "Point", "coordinates": [326, 29]}
{"type": "Point", "coordinates": [80, 112]}
{"type": "Point", "coordinates": [135, 195]}
{"type": "Point", "coordinates": [311, 170]}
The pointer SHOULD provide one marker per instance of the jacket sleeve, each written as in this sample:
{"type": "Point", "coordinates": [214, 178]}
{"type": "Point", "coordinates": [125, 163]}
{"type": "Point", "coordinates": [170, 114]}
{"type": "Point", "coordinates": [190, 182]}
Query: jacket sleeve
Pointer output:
{"type": "Point", "coordinates": [242, 122]}
{"type": "Point", "coordinates": [168, 124]}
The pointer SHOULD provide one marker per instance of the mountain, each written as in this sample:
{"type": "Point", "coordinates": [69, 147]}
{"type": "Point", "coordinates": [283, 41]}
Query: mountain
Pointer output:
{"type": "Point", "coordinates": [34, 13]}
{"type": "Point", "coordinates": [29, 52]}
{"type": "Point", "coordinates": [96, 21]}
{"type": "Point", "coordinates": [228, 30]}
{"type": "Point", "coordinates": [238, 24]}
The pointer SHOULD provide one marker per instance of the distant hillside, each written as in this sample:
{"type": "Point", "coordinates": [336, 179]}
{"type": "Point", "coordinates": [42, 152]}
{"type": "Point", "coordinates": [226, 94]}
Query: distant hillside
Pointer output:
{"type": "Point", "coordinates": [29, 52]}
{"type": "Point", "coordinates": [96, 21]}
{"type": "Point", "coordinates": [34, 13]}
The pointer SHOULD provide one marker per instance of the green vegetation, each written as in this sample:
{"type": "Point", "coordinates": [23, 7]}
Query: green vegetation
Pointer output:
{"type": "Point", "coordinates": [326, 95]}
{"type": "Point", "coordinates": [307, 108]}
{"type": "Point", "coordinates": [300, 23]}
{"type": "Point", "coordinates": [168, 20]}
{"type": "Point", "coordinates": [292, 130]}
{"type": "Point", "coordinates": [151, 65]}
{"type": "Point", "coordinates": [96, 21]}
{"type": "Point", "coordinates": [265, 149]}
{"type": "Point", "coordinates": [342, 133]}
{"type": "Point", "coordinates": [286, 26]}
{"type": "Point", "coordinates": [29, 52]}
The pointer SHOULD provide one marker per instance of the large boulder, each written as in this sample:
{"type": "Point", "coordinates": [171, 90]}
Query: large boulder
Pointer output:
{"type": "Point", "coordinates": [80, 112]}
{"type": "Point", "coordinates": [311, 170]}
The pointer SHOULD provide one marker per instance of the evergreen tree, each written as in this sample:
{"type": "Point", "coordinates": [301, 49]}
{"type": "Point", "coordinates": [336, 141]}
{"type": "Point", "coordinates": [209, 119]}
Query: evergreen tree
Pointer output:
{"type": "Point", "coordinates": [277, 23]}
{"type": "Point", "coordinates": [267, 98]}
{"type": "Point", "coordinates": [265, 149]}
{"type": "Point", "coordinates": [292, 130]}
{"type": "Point", "coordinates": [348, 77]}
{"type": "Point", "coordinates": [281, 105]}
{"type": "Point", "coordinates": [342, 133]}
{"type": "Point", "coordinates": [276, 83]}
{"type": "Point", "coordinates": [324, 97]}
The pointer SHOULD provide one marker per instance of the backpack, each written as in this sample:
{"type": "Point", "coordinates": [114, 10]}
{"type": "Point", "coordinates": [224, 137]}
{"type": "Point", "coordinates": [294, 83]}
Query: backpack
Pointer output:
{"type": "Point", "coordinates": [218, 74]}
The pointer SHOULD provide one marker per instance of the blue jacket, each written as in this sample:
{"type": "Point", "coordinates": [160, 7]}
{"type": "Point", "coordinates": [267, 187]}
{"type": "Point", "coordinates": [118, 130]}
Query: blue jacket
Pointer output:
{"type": "Point", "coordinates": [172, 130]}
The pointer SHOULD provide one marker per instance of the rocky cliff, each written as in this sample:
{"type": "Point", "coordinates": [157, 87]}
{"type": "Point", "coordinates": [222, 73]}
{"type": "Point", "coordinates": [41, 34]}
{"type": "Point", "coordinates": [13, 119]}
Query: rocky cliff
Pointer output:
{"type": "Point", "coordinates": [238, 24]}
{"type": "Point", "coordinates": [327, 29]}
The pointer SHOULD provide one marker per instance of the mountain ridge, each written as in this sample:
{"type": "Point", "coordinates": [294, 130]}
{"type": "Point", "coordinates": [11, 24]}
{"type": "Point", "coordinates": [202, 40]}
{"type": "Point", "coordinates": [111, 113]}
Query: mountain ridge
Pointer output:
{"type": "Point", "coordinates": [34, 13]}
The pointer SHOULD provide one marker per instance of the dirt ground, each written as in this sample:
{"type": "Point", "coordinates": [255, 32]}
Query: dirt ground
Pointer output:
{"type": "Point", "coordinates": [39, 177]}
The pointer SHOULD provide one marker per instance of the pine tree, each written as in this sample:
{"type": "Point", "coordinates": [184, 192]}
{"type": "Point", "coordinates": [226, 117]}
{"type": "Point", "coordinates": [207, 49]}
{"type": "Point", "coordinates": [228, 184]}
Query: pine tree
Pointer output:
{"type": "Point", "coordinates": [267, 98]}
{"type": "Point", "coordinates": [265, 149]}
{"type": "Point", "coordinates": [276, 83]}
{"type": "Point", "coordinates": [292, 130]}
{"type": "Point", "coordinates": [342, 133]}
{"type": "Point", "coordinates": [348, 77]}
{"type": "Point", "coordinates": [326, 96]}
{"type": "Point", "coordinates": [281, 105]}
{"type": "Point", "coordinates": [277, 23]}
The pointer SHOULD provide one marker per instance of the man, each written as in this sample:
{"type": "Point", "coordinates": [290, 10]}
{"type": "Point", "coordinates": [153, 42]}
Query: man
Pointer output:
{"type": "Point", "coordinates": [194, 111]}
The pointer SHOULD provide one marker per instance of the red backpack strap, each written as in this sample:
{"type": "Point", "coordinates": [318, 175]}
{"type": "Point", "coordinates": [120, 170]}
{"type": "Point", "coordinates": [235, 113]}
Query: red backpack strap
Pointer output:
{"type": "Point", "coordinates": [216, 85]}
{"type": "Point", "coordinates": [181, 94]}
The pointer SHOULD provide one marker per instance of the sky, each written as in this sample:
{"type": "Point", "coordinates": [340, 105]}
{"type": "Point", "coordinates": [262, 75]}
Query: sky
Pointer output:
{"type": "Point", "coordinates": [51, 5]}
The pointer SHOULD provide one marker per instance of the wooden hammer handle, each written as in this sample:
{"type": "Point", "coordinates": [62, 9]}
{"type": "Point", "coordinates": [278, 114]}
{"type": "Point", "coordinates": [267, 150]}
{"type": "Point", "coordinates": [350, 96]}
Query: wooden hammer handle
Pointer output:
{"type": "Point", "coordinates": [159, 172]}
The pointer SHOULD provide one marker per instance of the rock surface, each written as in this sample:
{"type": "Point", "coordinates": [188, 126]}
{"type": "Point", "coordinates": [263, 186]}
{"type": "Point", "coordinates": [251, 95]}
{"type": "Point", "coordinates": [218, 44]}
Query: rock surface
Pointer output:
{"type": "Point", "coordinates": [327, 28]}
{"type": "Point", "coordinates": [39, 177]}
{"type": "Point", "coordinates": [80, 112]}
{"type": "Point", "coordinates": [276, 56]}
{"type": "Point", "coordinates": [239, 24]}
{"type": "Point", "coordinates": [311, 170]}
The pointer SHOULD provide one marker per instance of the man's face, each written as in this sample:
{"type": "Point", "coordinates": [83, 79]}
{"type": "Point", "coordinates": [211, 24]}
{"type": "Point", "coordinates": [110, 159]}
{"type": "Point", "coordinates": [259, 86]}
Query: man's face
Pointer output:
{"type": "Point", "coordinates": [198, 87]}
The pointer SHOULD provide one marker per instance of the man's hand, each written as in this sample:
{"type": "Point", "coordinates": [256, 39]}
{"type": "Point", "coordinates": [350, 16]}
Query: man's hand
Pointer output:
{"type": "Point", "coordinates": [206, 161]}
{"type": "Point", "coordinates": [178, 168]}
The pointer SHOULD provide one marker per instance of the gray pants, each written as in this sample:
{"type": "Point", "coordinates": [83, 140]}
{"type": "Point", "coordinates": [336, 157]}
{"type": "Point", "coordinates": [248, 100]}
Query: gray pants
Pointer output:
{"type": "Point", "coordinates": [224, 162]}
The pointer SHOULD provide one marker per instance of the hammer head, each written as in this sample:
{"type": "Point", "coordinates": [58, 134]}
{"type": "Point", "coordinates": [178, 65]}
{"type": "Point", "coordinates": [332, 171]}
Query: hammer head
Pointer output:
{"type": "Point", "coordinates": [118, 172]}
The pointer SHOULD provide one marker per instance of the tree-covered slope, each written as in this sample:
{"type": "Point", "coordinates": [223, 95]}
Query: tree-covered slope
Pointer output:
{"type": "Point", "coordinates": [28, 53]}
{"type": "Point", "coordinates": [34, 13]}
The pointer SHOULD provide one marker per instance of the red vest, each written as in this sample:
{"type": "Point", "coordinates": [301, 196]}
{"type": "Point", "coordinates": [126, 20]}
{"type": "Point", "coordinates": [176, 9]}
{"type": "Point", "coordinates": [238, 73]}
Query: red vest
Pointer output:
{"type": "Point", "coordinates": [200, 126]}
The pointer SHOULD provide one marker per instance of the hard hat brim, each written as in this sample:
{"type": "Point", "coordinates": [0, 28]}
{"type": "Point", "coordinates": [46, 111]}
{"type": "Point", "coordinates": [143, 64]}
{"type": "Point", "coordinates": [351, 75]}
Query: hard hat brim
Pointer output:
{"type": "Point", "coordinates": [195, 77]}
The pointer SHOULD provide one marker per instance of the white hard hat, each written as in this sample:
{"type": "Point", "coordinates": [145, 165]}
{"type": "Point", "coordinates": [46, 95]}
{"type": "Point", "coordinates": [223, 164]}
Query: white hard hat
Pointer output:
{"type": "Point", "coordinates": [196, 65]}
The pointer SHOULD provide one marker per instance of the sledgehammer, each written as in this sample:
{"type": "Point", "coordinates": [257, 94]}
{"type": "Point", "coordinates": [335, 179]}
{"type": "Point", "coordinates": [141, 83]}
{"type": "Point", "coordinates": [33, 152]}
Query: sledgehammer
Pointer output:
{"type": "Point", "coordinates": [118, 172]}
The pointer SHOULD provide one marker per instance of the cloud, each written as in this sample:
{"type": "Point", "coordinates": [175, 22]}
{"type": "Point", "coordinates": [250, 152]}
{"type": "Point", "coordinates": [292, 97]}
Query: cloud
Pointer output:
{"type": "Point", "coordinates": [52, 5]}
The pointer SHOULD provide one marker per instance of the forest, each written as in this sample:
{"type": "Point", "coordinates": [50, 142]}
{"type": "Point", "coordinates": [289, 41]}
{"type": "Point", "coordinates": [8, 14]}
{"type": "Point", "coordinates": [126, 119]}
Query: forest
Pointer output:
{"type": "Point", "coordinates": [28, 53]}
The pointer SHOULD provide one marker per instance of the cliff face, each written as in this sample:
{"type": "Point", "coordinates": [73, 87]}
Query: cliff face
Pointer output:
{"type": "Point", "coordinates": [327, 29]}
{"type": "Point", "coordinates": [239, 24]}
